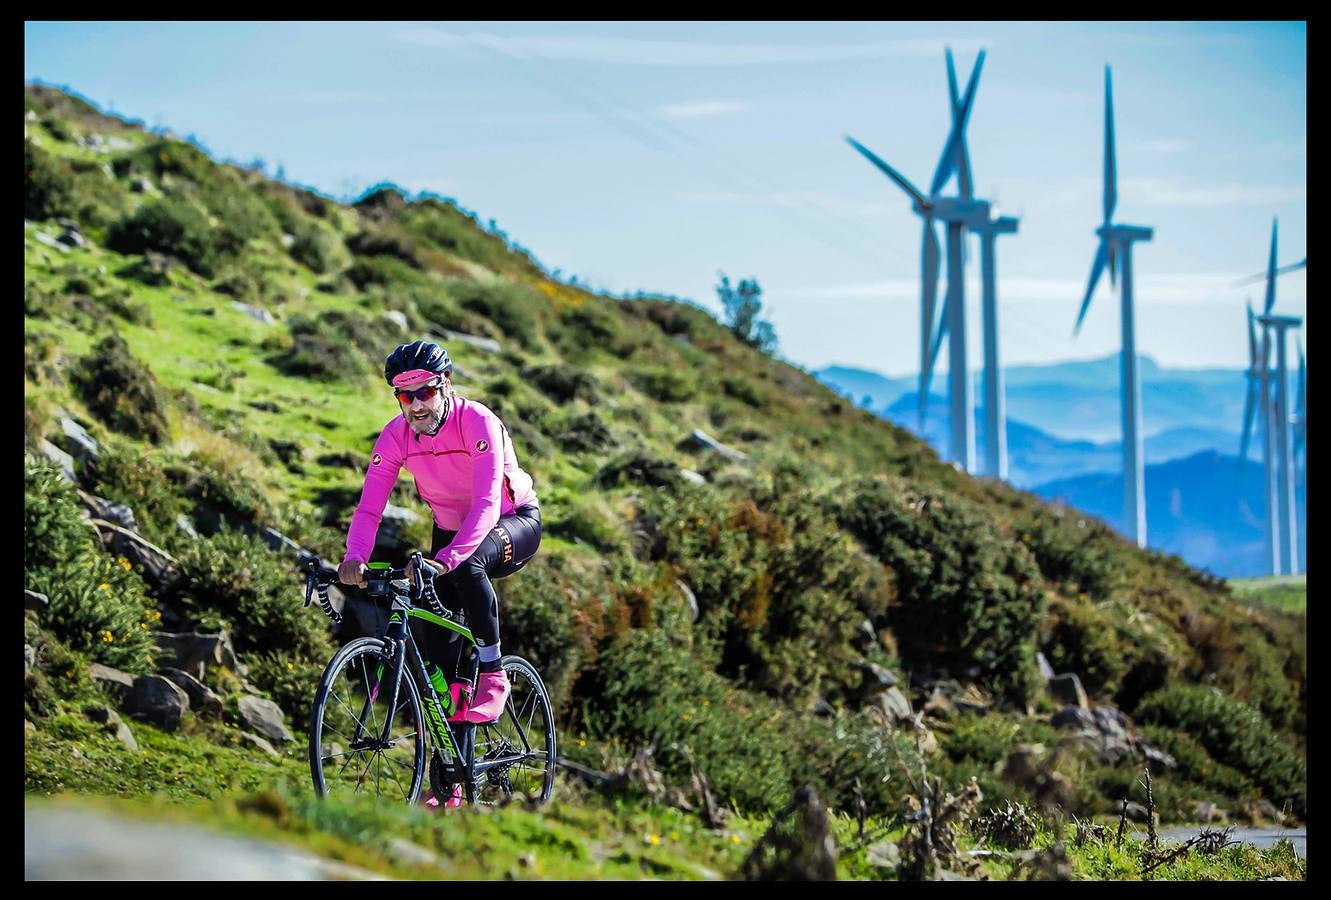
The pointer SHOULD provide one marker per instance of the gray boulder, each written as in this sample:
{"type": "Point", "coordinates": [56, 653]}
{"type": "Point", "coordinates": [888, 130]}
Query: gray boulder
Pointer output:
{"type": "Point", "coordinates": [201, 698]}
{"type": "Point", "coordinates": [152, 562]}
{"type": "Point", "coordinates": [194, 652]}
{"type": "Point", "coordinates": [257, 313]}
{"type": "Point", "coordinates": [29, 658]}
{"type": "Point", "coordinates": [60, 458]}
{"type": "Point", "coordinates": [43, 238]}
{"type": "Point", "coordinates": [705, 441]}
{"type": "Point", "coordinates": [115, 513]}
{"type": "Point", "coordinates": [692, 477]}
{"type": "Point", "coordinates": [116, 683]}
{"type": "Point", "coordinates": [1067, 689]}
{"type": "Point", "coordinates": [184, 524]}
{"type": "Point", "coordinates": [72, 237]}
{"type": "Point", "coordinates": [471, 340]}
{"type": "Point", "coordinates": [104, 715]}
{"type": "Point", "coordinates": [76, 441]}
{"type": "Point", "coordinates": [690, 600]}
{"type": "Point", "coordinates": [892, 705]}
{"type": "Point", "coordinates": [157, 700]}
{"type": "Point", "coordinates": [398, 318]}
{"type": "Point", "coordinates": [265, 717]}
{"type": "Point", "coordinates": [261, 744]}
{"type": "Point", "coordinates": [1074, 718]}
{"type": "Point", "coordinates": [34, 600]}
{"type": "Point", "coordinates": [876, 678]}
{"type": "Point", "coordinates": [393, 527]}
{"type": "Point", "coordinates": [1046, 670]}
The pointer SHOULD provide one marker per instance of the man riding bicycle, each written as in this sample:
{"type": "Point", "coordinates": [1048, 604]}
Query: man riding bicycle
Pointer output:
{"type": "Point", "coordinates": [487, 521]}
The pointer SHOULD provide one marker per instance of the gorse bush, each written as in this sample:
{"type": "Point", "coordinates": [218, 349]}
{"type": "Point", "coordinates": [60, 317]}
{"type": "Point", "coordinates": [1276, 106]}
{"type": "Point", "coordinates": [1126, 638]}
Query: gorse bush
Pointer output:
{"type": "Point", "coordinates": [121, 391]}
{"type": "Point", "coordinates": [317, 351]}
{"type": "Point", "coordinates": [1070, 547]}
{"type": "Point", "coordinates": [1084, 639]}
{"type": "Point", "coordinates": [49, 189]}
{"type": "Point", "coordinates": [666, 385]}
{"type": "Point", "coordinates": [99, 606]}
{"type": "Point", "coordinates": [55, 528]}
{"type": "Point", "coordinates": [1233, 733]}
{"type": "Point", "coordinates": [174, 228]}
{"type": "Point", "coordinates": [123, 474]}
{"type": "Point", "coordinates": [970, 599]}
{"type": "Point", "coordinates": [234, 581]}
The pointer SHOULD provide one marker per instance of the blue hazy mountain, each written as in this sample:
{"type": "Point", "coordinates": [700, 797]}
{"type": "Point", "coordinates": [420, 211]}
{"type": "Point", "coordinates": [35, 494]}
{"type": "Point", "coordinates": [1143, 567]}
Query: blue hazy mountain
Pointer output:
{"type": "Point", "coordinates": [1036, 457]}
{"type": "Point", "coordinates": [1079, 400]}
{"type": "Point", "coordinates": [1205, 508]}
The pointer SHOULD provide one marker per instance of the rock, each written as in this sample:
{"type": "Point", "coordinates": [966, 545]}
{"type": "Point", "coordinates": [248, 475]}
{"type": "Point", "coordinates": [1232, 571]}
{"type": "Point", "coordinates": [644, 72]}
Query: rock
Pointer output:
{"type": "Point", "coordinates": [973, 700]}
{"type": "Point", "coordinates": [107, 716]}
{"type": "Point", "coordinates": [255, 312]}
{"type": "Point", "coordinates": [60, 458]}
{"type": "Point", "coordinates": [393, 527]}
{"type": "Point", "coordinates": [265, 717]}
{"type": "Point", "coordinates": [1110, 720]}
{"type": "Point", "coordinates": [865, 634]}
{"type": "Point", "coordinates": [939, 705]}
{"type": "Point", "coordinates": [692, 477]}
{"type": "Point", "coordinates": [77, 442]}
{"type": "Point", "coordinates": [884, 855]}
{"type": "Point", "coordinates": [30, 116]}
{"type": "Point", "coordinates": [194, 652]}
{"type": "Point", "coordinates": [278, 541]}
{"type": "Point", "coordinates": [185, 525]}
{"type": "Point", "coordinates": [287, 240]}
{"type": "Point", "coordinates": [261, 744]}
{"type": "Point", "coordinates": [1067, 689]}
{"type": "Point", "coordinates": [398, 318]}
{"type": "Point", "coordinates": [1074, 718]}
{"type": "Point", "coordinates": [1137, 813]}
{"type": "Point", "coordinates": [689, 600]}
{"type": "Point", "coordinates": [43, 238]}
{"type": "Point", "coordinates": [876, 678]}
{"type": "Point", "coordinates": [1025, 763]}
{"type": "Point", "coordinates": [1206, 812]}
{"type": "Point", "coordinates": [200, 697]}
{"type": "Point", "coordinates": [141, 186]}
{"type": "Point", "coordinates": [1158, 759]}
{"type": "Point", "coordinates": [34, 600]}
{"type": "Point", "coordinates": [72, 237]}
{"type": "Point", "coordinates": [405, 853]}
{"type": "Point", "coordinates": [822, 708]}
{"type": "Point", "coordinates": [155, 565]}
{"type": "Point", "coordinates": [703, 440]}
{"type": "Point", "coordinates": [893, 705]}
{"type": "Point", "coordinates": [470, 340]}
{"type": "Point", "coordinates": [115, 513]}
{"type": "Point", "coordinates": [29, 658]}
{"type": "Point", "coordinates": [115, 682]}
{"type": "Point", "coordinates": [157, 700]}
{"type": "Point", "coordinates": [28, 728]}
{"type": "Point", "coordinates": [1046, 670]}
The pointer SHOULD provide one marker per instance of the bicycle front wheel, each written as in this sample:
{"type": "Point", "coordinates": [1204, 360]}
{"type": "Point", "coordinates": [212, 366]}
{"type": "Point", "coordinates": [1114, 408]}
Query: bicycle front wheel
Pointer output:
{"type": "Point", "coordinates": [351, 751]}
{"type": "Point", "coordinates": [521, 740]}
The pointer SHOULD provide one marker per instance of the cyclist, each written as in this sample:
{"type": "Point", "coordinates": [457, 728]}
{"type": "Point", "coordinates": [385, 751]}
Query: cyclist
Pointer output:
{"type": "Point", "coordinates": [487, 520]}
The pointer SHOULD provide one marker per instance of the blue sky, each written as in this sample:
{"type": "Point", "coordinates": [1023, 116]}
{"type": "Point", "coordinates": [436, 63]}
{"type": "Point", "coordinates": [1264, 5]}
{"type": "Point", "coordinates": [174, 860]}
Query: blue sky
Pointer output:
{"type": "Point", "coordinates": [651, 155]}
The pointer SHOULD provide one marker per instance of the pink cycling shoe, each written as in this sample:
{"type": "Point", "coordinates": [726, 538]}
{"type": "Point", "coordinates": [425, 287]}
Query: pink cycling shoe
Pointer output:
{"type": "Point", "coordinates": [461, 702]}
{"type": "Point", "coordinates": [431, 802]}
{"type": "Point", "coordinates": [492, 691]}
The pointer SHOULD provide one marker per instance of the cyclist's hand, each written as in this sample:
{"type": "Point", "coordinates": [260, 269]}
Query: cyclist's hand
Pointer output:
{"type": "Point", "coordinates": [352, 571]}
{"type": "Point", "coordinates": [432, 568]}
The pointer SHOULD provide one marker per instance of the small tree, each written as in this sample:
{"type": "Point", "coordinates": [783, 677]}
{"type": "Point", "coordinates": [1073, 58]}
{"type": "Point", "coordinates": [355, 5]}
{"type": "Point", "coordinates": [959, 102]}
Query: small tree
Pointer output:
{"type": "Point", "coordinates": [742, 305]}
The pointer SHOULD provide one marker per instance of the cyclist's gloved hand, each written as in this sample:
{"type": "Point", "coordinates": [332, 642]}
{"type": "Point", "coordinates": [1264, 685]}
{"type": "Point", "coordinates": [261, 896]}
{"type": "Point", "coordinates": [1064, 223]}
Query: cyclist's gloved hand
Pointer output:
{"type": "Point", "coordinates": [352, 571]}
{"type": "Point", "coordinates": [433, 569]}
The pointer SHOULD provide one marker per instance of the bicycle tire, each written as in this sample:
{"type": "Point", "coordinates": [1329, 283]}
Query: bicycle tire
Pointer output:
{"type": "Point", "coordinates": [526, 728]}
{"type": "Point", "coordinates": [347, 684]}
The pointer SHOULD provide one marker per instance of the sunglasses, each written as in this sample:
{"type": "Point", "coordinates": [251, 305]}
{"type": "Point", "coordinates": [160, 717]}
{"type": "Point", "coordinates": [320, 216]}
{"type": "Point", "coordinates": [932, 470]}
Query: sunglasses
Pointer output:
{"type": "Point", "coordinates": [425, 393]}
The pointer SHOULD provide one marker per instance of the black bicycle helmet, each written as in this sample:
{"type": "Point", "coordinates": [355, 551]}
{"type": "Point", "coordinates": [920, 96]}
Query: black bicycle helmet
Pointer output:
{"type": "Point", "coordinates": [424, 355]}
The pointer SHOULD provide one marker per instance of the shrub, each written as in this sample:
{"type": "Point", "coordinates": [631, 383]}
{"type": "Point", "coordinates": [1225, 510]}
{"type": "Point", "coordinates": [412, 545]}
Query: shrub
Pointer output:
{"type": "Point", "coordinates": [1072, 548]}
{"type": "Point", "coordinates": [317, 351]}
{"type": "Point", "coordinates": [99, 606]}
{"type": "Point", "coordinates": [969, 598]}
{"type": "Point", "coordinates": [55, 529]}
{"type": "Point", "coordinates": [174, 228]}
{"type": "Point", "coordinates": [121, 391]}
{"type": "Point", "coordinates": [224, 497]}
{"type": "Point", "coordinates": [561, 383]}
{"type": "Point", "coordinates": [123, 474]}
{"type": "Point", "coordinates": [1195, 763]}
{"type": "Point", "coordinates": [49, 189]}
{"type": "Point", "coordinates": [506, 304]}
{"type": "Point", "coordinates": [665, 385]}
{"type": "Point", "coordinates": [288, 678]}
{"type": "Point", "coordinates": [590, 519]}
{"type": "Point", "coordinates": [550, 618]}
{"type": "Point", "coordinates": [1082, 639]}
{"type": "Point", "coordinates": [231, 580]}
{"type": "Point", "coordinates": [1234, 734]}
{"type": "Point", "coordinates": [315, 247]}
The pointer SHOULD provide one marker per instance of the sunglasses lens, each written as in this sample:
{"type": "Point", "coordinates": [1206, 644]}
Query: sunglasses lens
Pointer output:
{"type": "Point", "coordinates": [425, 393]}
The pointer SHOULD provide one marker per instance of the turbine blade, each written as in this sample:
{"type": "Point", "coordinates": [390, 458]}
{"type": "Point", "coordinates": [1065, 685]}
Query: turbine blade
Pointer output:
{"type": "Point", "coordinates": [951, 153]}
{"type": "Point", "coordinates": [1101, 255]}
{"type": "Point", "coordinates": [929, 254]}
{"type": "Point", "coordinates": [890, 172]}
{"type": "Point", "coordinates": [964, 162]}
{"type": "Point", "coordinates": [1111, 171]}
{"type": "Point", "coordinates": [1261, 276]}
{"type": "Point", "coordinates": [941, 331]}
{"type": "Point", "coordinates": [1248, 407]}
{"type": "Point", "coordinates": [1252, 339]}
{"type": "Point", "coordinates": [1271, 272]}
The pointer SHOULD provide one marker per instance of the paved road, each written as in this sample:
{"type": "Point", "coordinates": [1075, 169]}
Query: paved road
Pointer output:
{"type": "Point", "coordinates": [62, 843]}
{"type": "Point", "coordinates": [1258, 837]}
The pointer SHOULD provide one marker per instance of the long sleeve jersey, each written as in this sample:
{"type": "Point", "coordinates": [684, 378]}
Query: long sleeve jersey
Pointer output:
{"type": "Point", "coordinates": [467, 472]}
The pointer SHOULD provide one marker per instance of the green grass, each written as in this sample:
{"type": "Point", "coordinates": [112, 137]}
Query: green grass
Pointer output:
{"type": "Point", "coordinates": [1284, 592]}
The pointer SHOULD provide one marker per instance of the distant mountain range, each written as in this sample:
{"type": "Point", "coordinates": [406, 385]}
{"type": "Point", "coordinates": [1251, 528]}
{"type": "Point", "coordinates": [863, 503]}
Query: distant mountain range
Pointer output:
{"type": "Point", "coordinates": [1064, 444]}
{"type": "Point", "coordinates": [1078, 400]}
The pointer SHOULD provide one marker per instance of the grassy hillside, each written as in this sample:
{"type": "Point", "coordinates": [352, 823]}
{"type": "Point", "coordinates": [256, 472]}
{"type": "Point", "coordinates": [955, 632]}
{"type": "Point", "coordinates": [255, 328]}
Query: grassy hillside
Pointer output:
{"type": "Point", "coordinates": [1285, 592]}
{"type": "Point", "coordinates": [222, 335]}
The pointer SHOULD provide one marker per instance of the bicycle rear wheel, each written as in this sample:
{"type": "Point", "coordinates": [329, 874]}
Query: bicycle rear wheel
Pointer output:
{"type": "Point", "coordinates": [349, 754]}
{"type": "Point", "coordinates": [523, 737]}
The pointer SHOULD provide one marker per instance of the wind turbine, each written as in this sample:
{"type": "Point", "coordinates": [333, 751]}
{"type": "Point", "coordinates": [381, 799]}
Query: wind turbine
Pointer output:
{"type": "Point", "coordinates": [1301, 414]}
{"type": "Point", "coordinates": [995, 414]}
{"type": "Point", "coordinates": [1285, 509]}
{"type": "Point", "coordinates": [1258, 399]}
{"type": "Point", "coordinates": [957, 213]}
{"type": "Point", "coordinates": [1116, 251]}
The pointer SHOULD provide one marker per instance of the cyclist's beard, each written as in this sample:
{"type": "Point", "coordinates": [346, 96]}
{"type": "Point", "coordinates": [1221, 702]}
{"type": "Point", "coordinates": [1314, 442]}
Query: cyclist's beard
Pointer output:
{"type": "Point", "coordinates": [431, 425]}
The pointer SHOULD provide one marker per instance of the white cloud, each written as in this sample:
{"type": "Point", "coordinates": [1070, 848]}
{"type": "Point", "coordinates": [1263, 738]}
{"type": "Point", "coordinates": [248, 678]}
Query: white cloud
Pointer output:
{"type": "Point", "coordinates": [698, 108]}
{"type": "Point", "coordinates": [633, 51]}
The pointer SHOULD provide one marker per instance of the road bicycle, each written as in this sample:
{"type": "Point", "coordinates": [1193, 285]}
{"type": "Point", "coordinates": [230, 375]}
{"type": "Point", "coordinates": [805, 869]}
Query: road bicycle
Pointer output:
{"type": "Point", "coordinates": [380, 717]}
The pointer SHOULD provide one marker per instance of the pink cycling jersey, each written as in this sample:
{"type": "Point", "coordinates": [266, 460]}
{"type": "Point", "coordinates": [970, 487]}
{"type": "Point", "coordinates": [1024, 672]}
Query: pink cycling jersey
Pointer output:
{"type": "Point", "coordinates": [467, 472]}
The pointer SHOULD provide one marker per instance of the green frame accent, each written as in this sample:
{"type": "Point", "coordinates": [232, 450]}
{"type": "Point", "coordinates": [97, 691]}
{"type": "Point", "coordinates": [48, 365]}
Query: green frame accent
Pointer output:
{"type": "Point", "coordinates": [426, 616]}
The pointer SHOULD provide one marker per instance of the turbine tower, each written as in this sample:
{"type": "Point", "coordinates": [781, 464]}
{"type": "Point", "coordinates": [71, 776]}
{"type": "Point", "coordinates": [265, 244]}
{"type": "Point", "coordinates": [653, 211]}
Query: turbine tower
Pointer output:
{"type": "Point", "coordinates": [995, 412]}
{"type": "Point", "coordinates": [1116, 251]}
{"type": "Point", "coordinates": [1258, 399]}
{"type": "Point", "coordinates": [958, 213]}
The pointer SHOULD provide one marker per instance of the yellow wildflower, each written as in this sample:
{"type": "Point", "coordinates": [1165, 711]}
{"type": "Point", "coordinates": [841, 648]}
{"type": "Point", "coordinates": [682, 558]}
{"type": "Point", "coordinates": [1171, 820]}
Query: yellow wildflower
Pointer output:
{"type": "Point", "coordinates": [734, 839]}
{"type": "Point", "coordinates": [103, 586]}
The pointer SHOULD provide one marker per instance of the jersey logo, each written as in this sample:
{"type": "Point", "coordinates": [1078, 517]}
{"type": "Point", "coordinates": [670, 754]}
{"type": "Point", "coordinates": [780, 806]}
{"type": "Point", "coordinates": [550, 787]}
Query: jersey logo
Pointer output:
{"type": "Point", "coordinates": [482, 446]}
{"type": "Point", "coordinates": [376, 459]}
